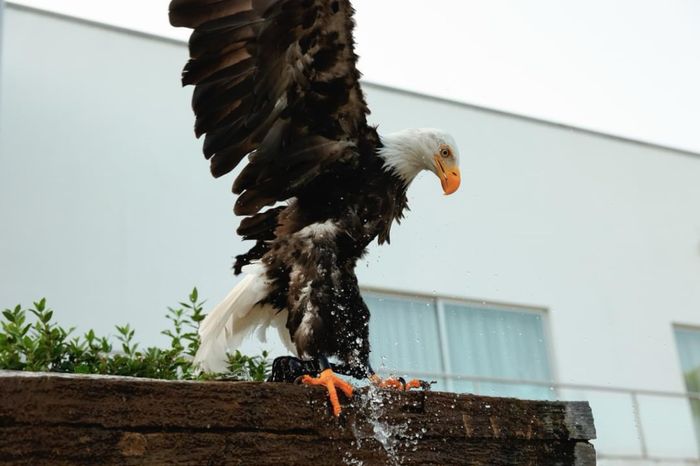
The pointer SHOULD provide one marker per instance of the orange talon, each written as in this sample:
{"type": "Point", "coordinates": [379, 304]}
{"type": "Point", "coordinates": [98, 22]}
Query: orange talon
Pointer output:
{"type": "Point", "coordinates": [331, 381]}
{"type": "Point", "coordinates": [394, 384]}
{"type": "Point", "coordinates": [398, 384]}
{"type": "Point", "coordinates": [415, 383]}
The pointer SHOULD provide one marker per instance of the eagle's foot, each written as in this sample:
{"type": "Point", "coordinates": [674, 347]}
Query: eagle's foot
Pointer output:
{"type": "Point", "coordinates": [400, 383]}
{"type": "Point", "coordinates": [331, 381]}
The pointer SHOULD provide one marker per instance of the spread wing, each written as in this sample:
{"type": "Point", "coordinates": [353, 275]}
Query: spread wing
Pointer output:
{"type": "Point", "coordinates": [275, 80]}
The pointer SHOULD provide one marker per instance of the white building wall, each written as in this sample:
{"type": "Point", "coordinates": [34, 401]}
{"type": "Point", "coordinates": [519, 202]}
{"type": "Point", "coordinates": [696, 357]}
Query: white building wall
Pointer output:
{"type": "Point", "coordinates": [108, 210]}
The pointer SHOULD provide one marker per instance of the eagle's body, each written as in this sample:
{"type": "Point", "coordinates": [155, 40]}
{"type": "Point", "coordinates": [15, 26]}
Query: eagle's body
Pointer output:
{"type": "Point", "coordinates": [276, 81]}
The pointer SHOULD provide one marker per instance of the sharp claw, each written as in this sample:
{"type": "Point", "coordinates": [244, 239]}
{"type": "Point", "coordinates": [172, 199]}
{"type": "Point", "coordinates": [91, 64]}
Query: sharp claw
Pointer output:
{"type": "Point", "coordinates": [331, 381]}
{"type": "Point", "coordinates": [415, 383]}
{"type": "Point", "coordinates": [391, 383]}
{"type": "Point", "coordinates": [333, 395]}
{"type": "Point", "coordinates": [400, 383]}
{"type": "Point", "coordinates": [345, 387]}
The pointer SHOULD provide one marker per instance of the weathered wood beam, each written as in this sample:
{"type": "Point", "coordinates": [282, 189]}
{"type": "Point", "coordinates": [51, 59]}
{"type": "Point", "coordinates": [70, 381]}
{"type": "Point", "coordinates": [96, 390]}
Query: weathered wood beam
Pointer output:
{"type": "Point", "coordinates": [70, 419]}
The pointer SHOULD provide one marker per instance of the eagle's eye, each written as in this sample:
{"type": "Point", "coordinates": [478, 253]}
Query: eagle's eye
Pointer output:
{"type": "Point", "coordinates": [445, 152]}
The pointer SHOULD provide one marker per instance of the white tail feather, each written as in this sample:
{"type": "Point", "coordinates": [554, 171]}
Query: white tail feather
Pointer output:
{"type": "Point", "coordinates": [236, 317]}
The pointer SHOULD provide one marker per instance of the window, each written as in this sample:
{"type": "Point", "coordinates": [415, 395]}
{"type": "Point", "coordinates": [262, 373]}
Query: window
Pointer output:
{"type": "Point", "coordinates": [401, 332]}
{"type": "Point", "coordinates": [688, 341]}
{"type": "Point", "coordinates": [465, 347]}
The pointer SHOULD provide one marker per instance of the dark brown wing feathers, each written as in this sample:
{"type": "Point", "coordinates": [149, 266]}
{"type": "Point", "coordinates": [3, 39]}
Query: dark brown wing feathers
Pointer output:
{"type": "Point", "coordinates": [194, 13]}
{"type": "Point", "coordinates": [275, 79]}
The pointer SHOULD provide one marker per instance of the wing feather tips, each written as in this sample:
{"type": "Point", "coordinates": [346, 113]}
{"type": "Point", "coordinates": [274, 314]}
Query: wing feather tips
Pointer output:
{"type": "Point", "coordinates": [194, 13]}
{"type": "Point", "coordinates": [225, 161]}
{"type": "Point", "coordinates": [202, 72]}
{"type": "Point", "coordinates": [251, 201]}
{"type": "Point", "coordinates": [260, 226]}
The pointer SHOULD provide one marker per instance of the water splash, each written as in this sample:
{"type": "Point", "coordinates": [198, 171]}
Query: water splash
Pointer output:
{"type": "Point", "coordinates": [349, 460]}
{"type": "Point", "coordinates": [373, 403]}
{"type": "Point", "coordinates": [395, 439]}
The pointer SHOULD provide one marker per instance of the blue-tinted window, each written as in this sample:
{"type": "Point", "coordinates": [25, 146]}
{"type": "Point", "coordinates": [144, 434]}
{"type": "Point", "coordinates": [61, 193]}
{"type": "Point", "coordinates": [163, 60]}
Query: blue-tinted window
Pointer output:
{"type": "Point", "coordinates": [493, 343]}
{"type": "Point", "coordinates": [445, 340]}
{"type": "Point", "coordinates": [688, 341]}
{"type": "Point", "coordinates": [404, 335]}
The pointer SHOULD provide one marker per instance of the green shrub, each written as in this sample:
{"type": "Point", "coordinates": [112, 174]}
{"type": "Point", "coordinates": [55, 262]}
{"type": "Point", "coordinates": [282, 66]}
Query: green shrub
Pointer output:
{"type": "Point", "coordinates": [31, 341]}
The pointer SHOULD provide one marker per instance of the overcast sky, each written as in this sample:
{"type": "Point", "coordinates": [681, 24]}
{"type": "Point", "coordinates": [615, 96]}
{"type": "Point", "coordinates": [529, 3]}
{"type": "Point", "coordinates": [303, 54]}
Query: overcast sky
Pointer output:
{"type": "Point", "coordinates": [624, 67]}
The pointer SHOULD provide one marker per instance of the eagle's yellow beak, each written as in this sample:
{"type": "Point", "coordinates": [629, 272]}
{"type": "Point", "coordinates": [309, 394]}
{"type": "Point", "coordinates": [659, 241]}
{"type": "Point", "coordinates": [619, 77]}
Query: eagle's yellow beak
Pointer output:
{"type": "Point", "coordinates": [448, 172]}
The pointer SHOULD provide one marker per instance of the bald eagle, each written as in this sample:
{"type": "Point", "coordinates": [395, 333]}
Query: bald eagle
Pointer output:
{"type": "Point", "coordinates": [276, 82]}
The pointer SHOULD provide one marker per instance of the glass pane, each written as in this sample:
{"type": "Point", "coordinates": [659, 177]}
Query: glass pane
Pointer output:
{"type": "Point", "coordinates": [404, 335]}
{"type": "Point", "coordinates": [616, 429]}
{"type": "Point", "coordinates": [522, 391]}
{"type": "Point", "coordinates": [465, 386]}
{"type": "Point", "coordinates": [689, 350]}
{"type": "Point", "coordinates": [497, 343]}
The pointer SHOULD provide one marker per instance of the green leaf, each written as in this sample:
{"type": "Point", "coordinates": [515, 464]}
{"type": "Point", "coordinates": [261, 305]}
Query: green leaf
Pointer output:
{"type": "Point", "coordinates": [40, 344]}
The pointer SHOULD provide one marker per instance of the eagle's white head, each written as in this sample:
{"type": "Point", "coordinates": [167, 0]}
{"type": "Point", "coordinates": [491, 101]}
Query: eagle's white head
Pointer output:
{"type": "Point", "coordinates": [406, 153]}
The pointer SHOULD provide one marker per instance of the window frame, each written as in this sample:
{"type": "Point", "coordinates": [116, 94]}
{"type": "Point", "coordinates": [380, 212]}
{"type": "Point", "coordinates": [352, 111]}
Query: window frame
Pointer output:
{"type": "Point", "coordinates": [679, 360]}
{"type": "Point", "coordinates": [439, 302]}
{"type": "Point", "coordinates": [418, 298]}
{"type": "Point", "coordinates": [692, 328]}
